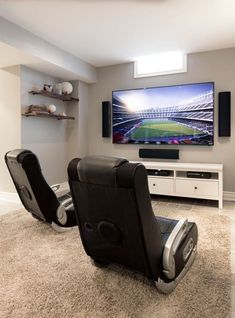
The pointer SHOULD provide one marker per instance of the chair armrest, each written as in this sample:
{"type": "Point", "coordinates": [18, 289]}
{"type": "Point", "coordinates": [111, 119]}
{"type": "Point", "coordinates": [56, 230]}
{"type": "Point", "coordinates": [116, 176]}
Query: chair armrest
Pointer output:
{"type": "Point", "coordinates": [67, 203]}
{"type": "Point", "coordinates": [60, 189]}
{"type": "Point", "coordinates": [61, 211]}
{"type": "Point", "coordinates": [177, 235]}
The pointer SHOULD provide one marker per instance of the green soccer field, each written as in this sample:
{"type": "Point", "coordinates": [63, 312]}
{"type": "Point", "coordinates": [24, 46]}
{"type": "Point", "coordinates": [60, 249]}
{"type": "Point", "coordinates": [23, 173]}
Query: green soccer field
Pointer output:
{"type": "Point", "coordinates": [162, 128]}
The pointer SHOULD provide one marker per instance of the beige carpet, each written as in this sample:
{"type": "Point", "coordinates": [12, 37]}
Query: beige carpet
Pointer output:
{"type": "Point", "coordinates": [46, 274]}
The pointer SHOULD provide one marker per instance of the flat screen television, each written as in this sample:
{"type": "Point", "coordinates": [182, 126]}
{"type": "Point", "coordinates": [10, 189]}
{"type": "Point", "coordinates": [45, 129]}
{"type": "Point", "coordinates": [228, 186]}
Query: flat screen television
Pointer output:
{"type": "Point", "coordinates": [169, 115]}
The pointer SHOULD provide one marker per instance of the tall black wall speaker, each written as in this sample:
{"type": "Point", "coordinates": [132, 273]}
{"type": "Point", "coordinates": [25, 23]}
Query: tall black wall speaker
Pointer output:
{"type": "Point", "coordinates": [159, 153]}
{"type": "Point", "coordinates": [106, 119]}
{"type": "Point", "coordinates": [225, 114]}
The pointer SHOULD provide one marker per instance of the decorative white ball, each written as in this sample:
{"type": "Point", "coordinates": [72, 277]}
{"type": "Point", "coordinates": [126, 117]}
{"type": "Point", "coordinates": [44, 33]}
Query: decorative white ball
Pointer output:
{"type": "Point", "coordinates": [67, 88]}
{"type": "Point", "coordinates": [51, 108]}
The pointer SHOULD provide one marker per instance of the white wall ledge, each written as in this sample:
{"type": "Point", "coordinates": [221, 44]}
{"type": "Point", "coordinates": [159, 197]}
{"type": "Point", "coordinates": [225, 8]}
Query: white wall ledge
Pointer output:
{"type": "Point", "coordinates": [35, 46]}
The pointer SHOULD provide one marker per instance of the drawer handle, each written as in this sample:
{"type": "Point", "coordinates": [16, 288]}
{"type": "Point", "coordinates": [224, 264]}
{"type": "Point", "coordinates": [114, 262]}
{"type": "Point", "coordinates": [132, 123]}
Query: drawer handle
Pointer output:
{"type": "Point", "coordinates": [195, 188]}
{"type": "Point", "coordinates": [154, 184]}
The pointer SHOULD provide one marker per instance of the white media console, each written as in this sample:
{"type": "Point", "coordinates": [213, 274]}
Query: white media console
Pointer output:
{"type": "Point", "coordinates": [177, 183]}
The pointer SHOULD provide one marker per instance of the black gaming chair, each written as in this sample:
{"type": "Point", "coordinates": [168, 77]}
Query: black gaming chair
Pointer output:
{"type": "Point", "coordinates": [117, 224]}
{"type": "Point", "coordinates": [45, 203]}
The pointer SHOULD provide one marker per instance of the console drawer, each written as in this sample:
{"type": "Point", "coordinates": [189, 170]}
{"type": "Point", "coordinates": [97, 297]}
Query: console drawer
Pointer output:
{"type": "Point", "coordinates": [197, 188]}
{"type": "Point", "coordinates": [160, 185]}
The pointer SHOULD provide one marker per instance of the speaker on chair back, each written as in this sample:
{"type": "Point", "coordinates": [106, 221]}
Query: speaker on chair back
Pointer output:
{"type": "Point", "coordinates": [159, 153]}
{"type": "Point", "coordinates": [106, 119]}
{"type": "Point", "coordinates": [224, 114]}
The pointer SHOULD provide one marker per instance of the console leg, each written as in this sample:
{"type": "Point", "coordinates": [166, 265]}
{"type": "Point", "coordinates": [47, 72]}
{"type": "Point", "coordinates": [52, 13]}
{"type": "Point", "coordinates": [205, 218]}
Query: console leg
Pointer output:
{"type": "Point", "coordinates": [220, 204]}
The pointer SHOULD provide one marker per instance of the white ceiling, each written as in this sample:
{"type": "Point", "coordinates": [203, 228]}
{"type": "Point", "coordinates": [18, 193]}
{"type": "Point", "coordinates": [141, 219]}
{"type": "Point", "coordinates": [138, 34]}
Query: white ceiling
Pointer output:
{"type": "Point", "coordinates": [105, 32]}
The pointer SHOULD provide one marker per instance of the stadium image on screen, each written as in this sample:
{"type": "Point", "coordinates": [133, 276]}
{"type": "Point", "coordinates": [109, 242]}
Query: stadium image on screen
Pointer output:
{"type": "Point", "coordinates": [181, 114]}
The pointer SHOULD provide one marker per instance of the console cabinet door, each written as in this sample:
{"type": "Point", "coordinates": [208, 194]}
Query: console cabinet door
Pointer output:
{"type": "Point", "coordinates": [160, 185]}
{"type": "Point", "coordinates": [197, 188]}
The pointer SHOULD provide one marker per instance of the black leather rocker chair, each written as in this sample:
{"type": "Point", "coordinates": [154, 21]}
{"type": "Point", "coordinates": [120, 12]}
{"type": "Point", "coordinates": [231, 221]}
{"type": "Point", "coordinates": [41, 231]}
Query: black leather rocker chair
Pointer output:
{"type": "Point", "coordinates": [45, 203]}
{"type": "Point", "coordinates": [117, 223]}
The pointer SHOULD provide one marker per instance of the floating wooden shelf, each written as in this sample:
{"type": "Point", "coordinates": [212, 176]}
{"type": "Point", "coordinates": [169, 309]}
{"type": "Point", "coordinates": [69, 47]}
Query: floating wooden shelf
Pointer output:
{"type": "Point", "coordinates": [64, 98]}
{"type": "Point", "coordinates": [47, 115]}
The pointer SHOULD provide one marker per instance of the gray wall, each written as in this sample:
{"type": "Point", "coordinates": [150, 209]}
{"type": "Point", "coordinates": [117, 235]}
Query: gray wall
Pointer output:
{"type": "Point", "coordinates": [55, 142]}
{"type": "Point", "coordinates": [77, 130]}
{"type": "Point", "coordinates": [44, 136]}
{"type": "Point", "coordinates": [217, 66]}
{"type": "Point", "coordinates": [83, 119]}
{"type": "Point", "coordinates": [10, 120]}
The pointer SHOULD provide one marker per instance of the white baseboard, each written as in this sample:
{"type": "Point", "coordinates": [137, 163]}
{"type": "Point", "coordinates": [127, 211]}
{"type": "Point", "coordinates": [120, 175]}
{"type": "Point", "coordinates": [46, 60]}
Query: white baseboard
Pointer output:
{"type": "Point", "coordinates": [10, 197]}
{"type": "Point", "coordinates": [229, 196]}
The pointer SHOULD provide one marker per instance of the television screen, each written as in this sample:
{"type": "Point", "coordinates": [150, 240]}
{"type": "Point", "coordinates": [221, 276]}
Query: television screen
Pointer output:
{"type": "Point", "coordinates": [170, 115]}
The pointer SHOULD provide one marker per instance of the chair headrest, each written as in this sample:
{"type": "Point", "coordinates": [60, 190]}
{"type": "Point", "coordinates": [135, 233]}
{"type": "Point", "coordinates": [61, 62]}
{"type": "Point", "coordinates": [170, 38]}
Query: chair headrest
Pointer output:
{"type": "Point", "coordinates": [14, 155]}
{"type": "Point", "coordinates": [99, 169]}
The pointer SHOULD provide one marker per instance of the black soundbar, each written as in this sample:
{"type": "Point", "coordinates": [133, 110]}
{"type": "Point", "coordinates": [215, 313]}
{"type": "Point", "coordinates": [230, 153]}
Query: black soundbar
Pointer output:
{"type": "Point", "coordinates": [159, 153]}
